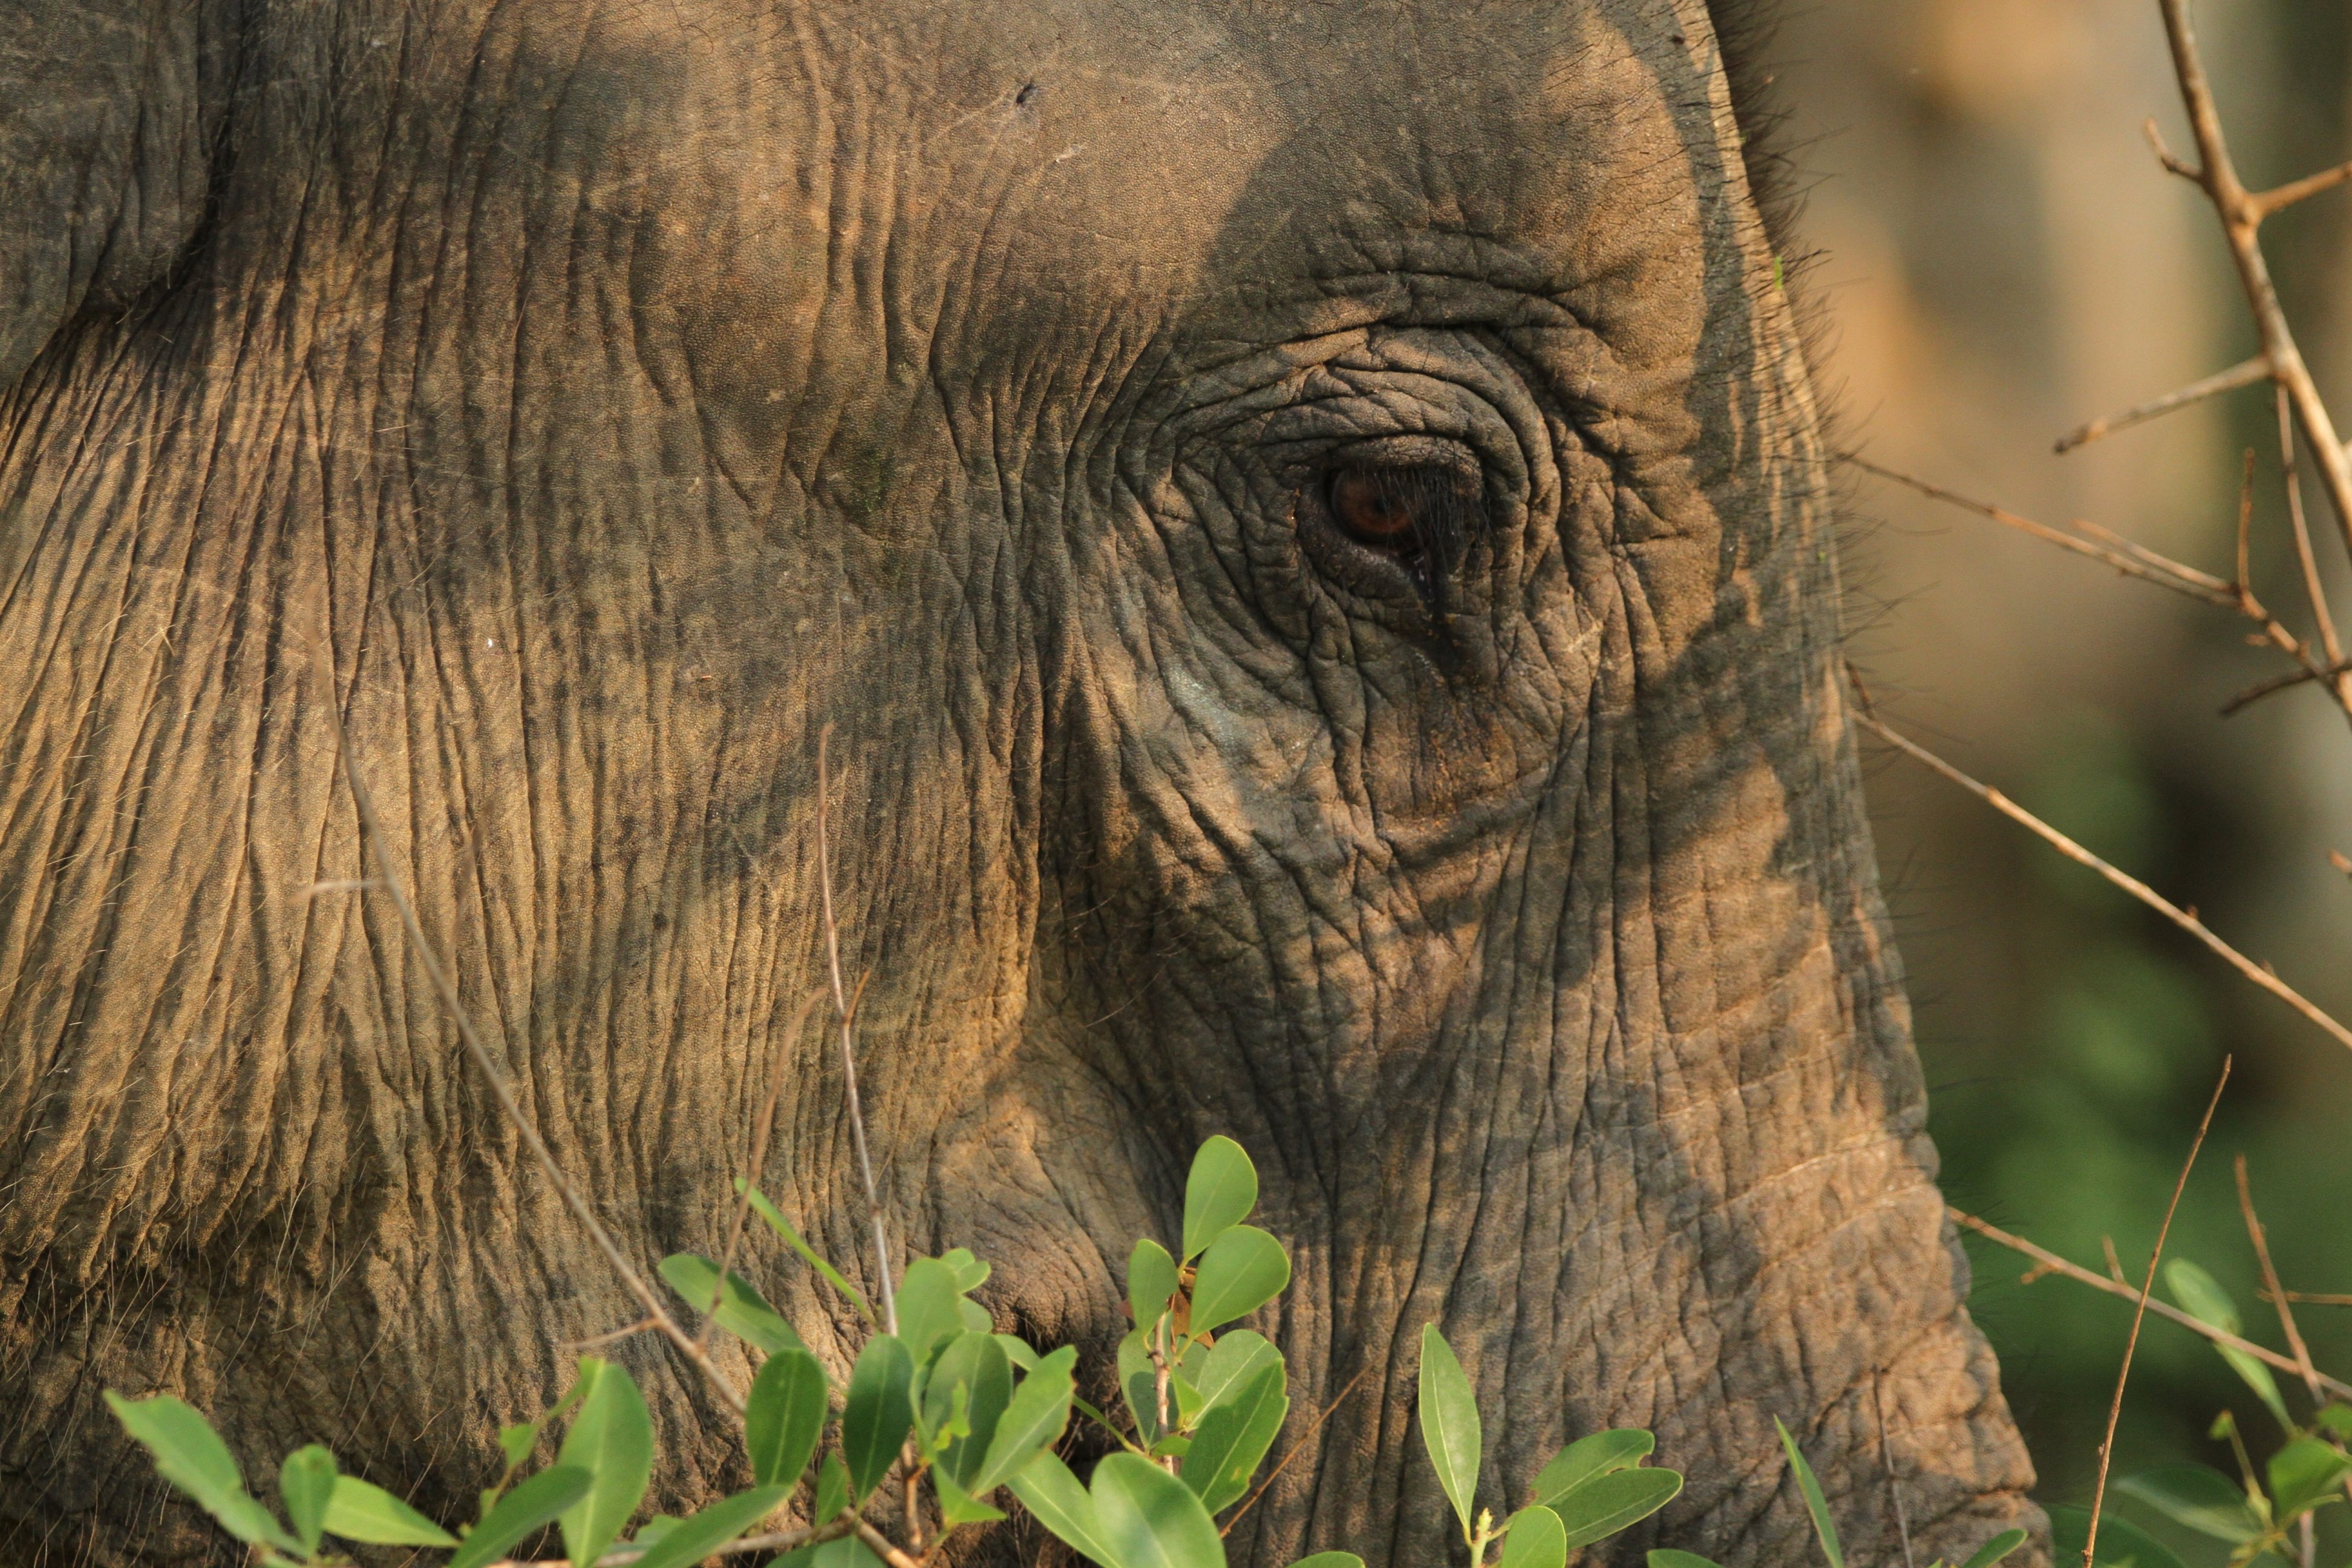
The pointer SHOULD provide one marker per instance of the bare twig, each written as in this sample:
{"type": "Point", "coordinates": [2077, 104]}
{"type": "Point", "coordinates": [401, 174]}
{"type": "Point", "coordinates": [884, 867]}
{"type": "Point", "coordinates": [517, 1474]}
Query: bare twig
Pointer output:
{"type": "Point", "coordinates": [846, 1013]}
{"type": "Point", "coordinates": [2287, 683]}
{"type": "Point", "coordinates": [573, 1199]}
{"type": "Point", "coordinates": [760, 1133]}
{"type": "Point", "coordinates": [2276, 1293]}
{"type": "Point", "coordinates": [2242, 374]}
{"type": "Point", "coordinates": [2258, 973]}
{"type": "Point", "coordinates": [773, 1540]}
{"type": "Point", "coordinates": [2292, 478]}
{"type": "Point", "coordinates": [2134, 560]}
{"type": "Point", "coordinates": [1296, 1449]}
{"type": "Point", "coordinates": [2310, 1298]}
{"type": "Point", "coordinates": [2131, 560]}
{"type": "Point", "coordinates": [2268, 202]}
{"type": "Point", "coordinates": [2047, 1262]}
{"type": "Point", "coordinates": [2242, 214]}
{"type": "Point", "coordinates": [1894, 1482]}
{"type": "Point", "coordinates": [2140, 1313]}
{"type": "Point", "coordinates": [883, 1546]}
{"type": "Point", "coordinates": [2244, 581]}
{"type": "Point", "coordinates": [2286, 1321]}
{"type": "Point", "coordinates": [613, 1337]}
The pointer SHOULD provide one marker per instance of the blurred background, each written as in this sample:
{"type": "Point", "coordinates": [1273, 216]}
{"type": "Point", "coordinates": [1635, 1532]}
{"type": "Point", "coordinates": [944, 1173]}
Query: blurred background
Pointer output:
{"type": "Point", "coordinates": [2002, 259]}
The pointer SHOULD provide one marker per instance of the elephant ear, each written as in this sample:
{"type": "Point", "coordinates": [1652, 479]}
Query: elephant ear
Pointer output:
{"type": "Point", "coordinates": [112, 109]}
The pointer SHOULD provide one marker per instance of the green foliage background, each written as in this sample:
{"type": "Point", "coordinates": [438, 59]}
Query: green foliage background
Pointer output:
{"type": "Point", "coordinates": [2003, 260]}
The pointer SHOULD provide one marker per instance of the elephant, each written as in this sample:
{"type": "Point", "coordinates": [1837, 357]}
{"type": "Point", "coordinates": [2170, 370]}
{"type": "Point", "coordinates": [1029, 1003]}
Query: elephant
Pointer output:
{"type": "Point", "coordinates": [1311, 530]}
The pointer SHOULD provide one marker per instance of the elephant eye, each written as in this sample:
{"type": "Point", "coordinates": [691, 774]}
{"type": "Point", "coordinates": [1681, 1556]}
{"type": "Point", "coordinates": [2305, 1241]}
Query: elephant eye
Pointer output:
{"type": "Point", "coordinates": [1397, 514]}
{"type": "Point", "coordinates": [1404, 511]}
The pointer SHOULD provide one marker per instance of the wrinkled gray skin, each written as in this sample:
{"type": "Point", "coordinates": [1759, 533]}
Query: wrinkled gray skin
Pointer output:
{"type": "Point", "coordinates": [623, 391]}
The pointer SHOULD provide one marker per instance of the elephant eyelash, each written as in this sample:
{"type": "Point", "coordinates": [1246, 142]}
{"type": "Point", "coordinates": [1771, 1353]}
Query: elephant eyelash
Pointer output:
{"type": "Point", "coordinates": [1420, 515]}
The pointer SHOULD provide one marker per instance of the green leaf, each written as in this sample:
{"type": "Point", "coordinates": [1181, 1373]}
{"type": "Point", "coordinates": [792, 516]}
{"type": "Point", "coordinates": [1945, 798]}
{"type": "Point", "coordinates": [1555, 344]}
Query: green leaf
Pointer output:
{"type": "Point", "coordinates": [1619, 1449]}
{"type": "Point", "coordinates": [1534, 1538]}
{"type": "Point", "coordinates": [1018, 1351]}
{"type": "Point", "coordinates": [927, 1308]}
{"type": "Point", "coordinates": [1815, 1504]}
{"type": "Point", "coordinates": [1233, 1439]}
{"type": "Point", "coordinates": [2202, 1298]}
{"type": "Point", "coordinates": [358, 1511]}
{"type": "Point", "coordinates": [1150, 1281]}
{"type": "Point", "coordinates": [1668, 1557]}
{"type": "Point", "coordinates": [783, 1416]}
{"type": "Point", "coordinates": [1149, 1519]}
{"type": "Point", "coordinates": [1243, 1270]}
{"type": "Point", "coordinates": [1449, 1424]}
{"type": "Point", "coordinates": [1331, 1559]}
{"type": "Point", "coordinates": [744, 1313]}
{"type": "Point", "coordinates": [1138, 1384]}
{"type": "Point", "coordinates": [612, 1439]}
{"type": "Point", "coordinates": [2304, 1474]}
{"type": "Point", "coordinates": [1218, 1194]}
{"type": "Point", "coordinates": [526, 1510]}
{"type": "Point", "coordinates": [2335, 1418]}
{"type": "Point", "coordinates": [843, 1551]}
{"type": "Point", "coordinates": [191, 1456]}
{"type": "Point", "coordinates": [1054, 1497]}
{"type": "Point", "coordinates": [969, 1272]}
{"type": "Point", "coordinates": [783, 1228]}
{"type": "Point", "coordinates": [1993, 1551]}
{"type": "Point", "coordinates": [516, 1441]}
{"type": "Point", "coordinates": [877, 1416]}
{"type": "Point", "coordinates": [974, 1316]}
{"type": "Point", "coordinates": [831, 1488]}
{"type": "Point", "coordinates": [1034, 1420]}
{"type": "Point", "coordinates": [2122, 1543]}
{"type": "Point", "coordinates": [1607, 1504]}
{"type": "Point", "coordinates": [958, 1506]}
{"type": "Point", "coordinates": [306, 1481]}
{"type": "Point", "coordinates": [691, 1539]}
{"type": "Point", "coordinates": [2198, 1496]}
{"type": "Point", "coordinates": [654, 1529]}
{"type": "Point", "coordinates": [976, 1364]}
{"type": "Point", "coordinates": [1231, 1362]}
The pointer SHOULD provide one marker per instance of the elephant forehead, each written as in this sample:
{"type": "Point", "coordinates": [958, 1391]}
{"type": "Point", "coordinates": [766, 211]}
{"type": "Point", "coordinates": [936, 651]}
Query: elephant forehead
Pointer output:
{"type": "Point", "coordinates": [1030, 176]}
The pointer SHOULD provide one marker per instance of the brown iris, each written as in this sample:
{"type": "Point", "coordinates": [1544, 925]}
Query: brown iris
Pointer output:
{"type": "Point", "coordinates": [1420, 515]}
{"type": "Point", "coordinates": [1381, 508]}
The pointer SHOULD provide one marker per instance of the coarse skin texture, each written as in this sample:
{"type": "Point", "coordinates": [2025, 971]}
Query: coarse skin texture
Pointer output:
{"type": "Point", "coordinates": [622, 392]}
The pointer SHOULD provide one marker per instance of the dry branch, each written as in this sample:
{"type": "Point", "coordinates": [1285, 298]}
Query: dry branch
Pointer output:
{"type": "Point", "coordinates": [2109, 550]}
{"type": "Point", "coordinates": [2241, 213]}
{"type": "Point", "coordinates": [2048, 1262]}
{"type": "Point", "coordinates": [778, 1541]}
{"type": "Point", "coordinates": [2255, 1234]}
{"type": "Point", "coordinates": [2134, 559]}
{"type": "Point", "coordinates": [2139, 1311]}
{"type": "Point", "coordinates": [846, 1013]}
{"type": "Point", "coordinates": [2258, 973]}
{"type": "Point", "coordinates": [2244, 373]}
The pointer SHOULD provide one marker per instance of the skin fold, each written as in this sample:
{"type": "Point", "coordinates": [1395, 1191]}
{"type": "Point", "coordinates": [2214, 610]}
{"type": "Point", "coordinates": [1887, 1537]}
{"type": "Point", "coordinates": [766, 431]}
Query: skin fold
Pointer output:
{"type": "Point", "coordinates": [616, 395]}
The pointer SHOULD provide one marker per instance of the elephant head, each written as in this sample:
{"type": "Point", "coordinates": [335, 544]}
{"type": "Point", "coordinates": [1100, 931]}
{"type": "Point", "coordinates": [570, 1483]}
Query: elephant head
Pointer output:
{"type": "Point", "coordinates": [1309, 526]}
